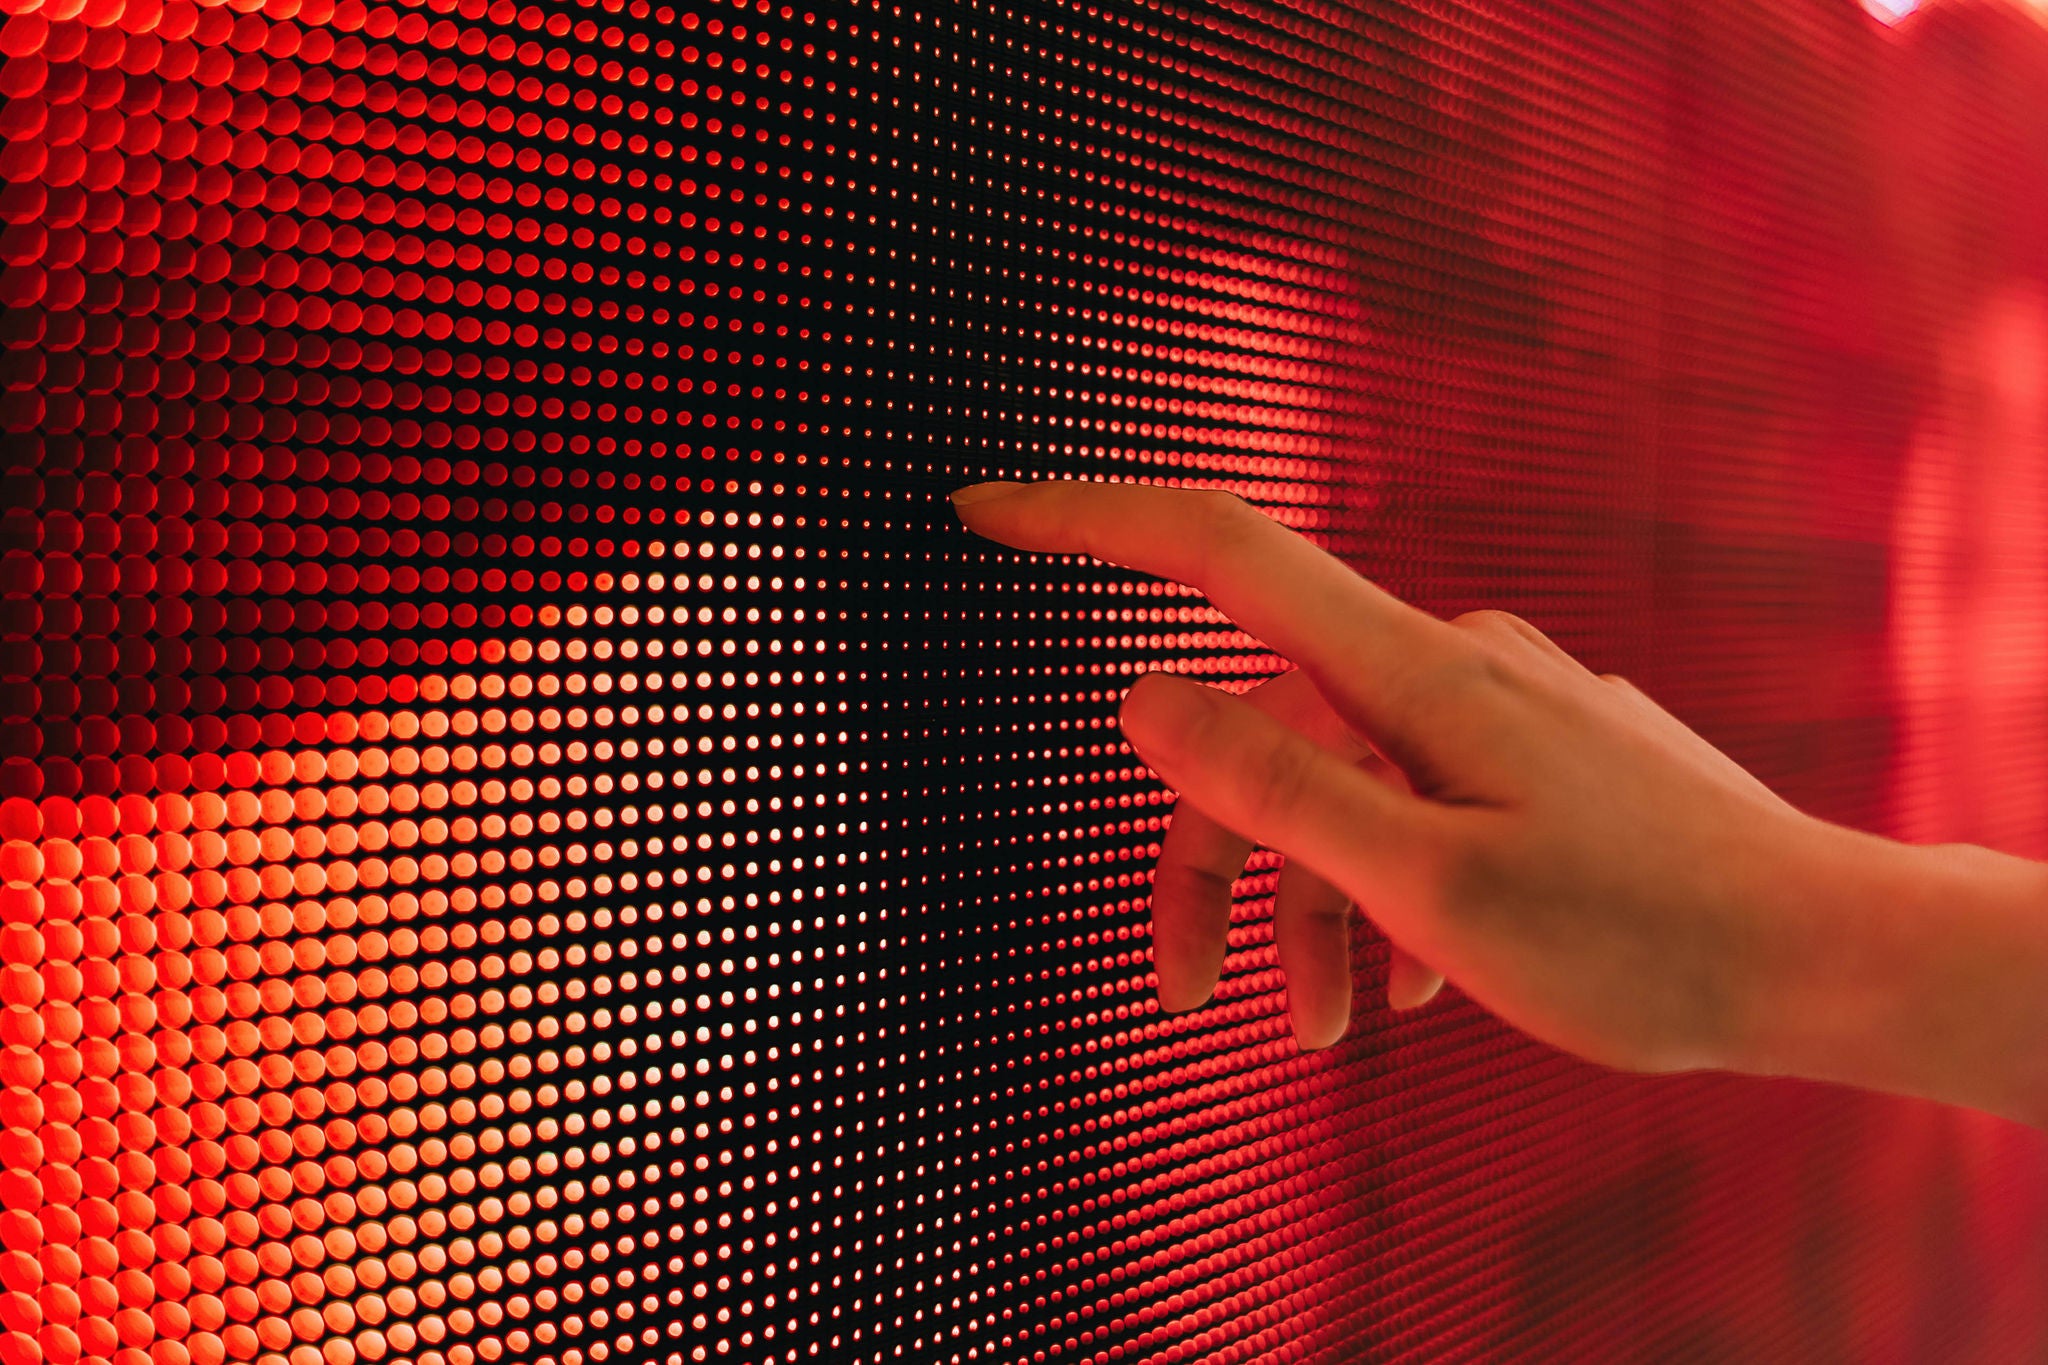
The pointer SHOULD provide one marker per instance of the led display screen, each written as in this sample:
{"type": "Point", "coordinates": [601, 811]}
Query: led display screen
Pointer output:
{"type": "Point", "coordinates": [532, 835]}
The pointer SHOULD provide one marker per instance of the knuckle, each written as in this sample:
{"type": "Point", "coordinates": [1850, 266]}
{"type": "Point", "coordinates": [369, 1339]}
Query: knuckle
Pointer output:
{"type": "Point", "coordinates": [1472, 672]}
{"type": "Point", "coordinates": [1177, 879]}
{"type": "Point", "coordinates": [1280, 782]}
{"type": "Point", "coordinates": [1309, 895]}
{"type": "Point", "coordinates": [1491, 621]}
{"type": "Point", "coordinates": [1334, 909]}
{"type": "Point", "coordinates": [1511, 635]}
{"type": "Point", "coordinates": [1222, 505]}
{"type": "Point", "coordinates": [1472, 876]}
{"type": "Point", "coordinates": [1225, 517]}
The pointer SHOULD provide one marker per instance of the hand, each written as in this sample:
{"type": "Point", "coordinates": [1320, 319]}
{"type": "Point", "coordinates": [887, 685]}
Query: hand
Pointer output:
{"type": "Point", "coordinates": [1552, 841]}
{"type": "Point", "coordinates": [1200, 858]}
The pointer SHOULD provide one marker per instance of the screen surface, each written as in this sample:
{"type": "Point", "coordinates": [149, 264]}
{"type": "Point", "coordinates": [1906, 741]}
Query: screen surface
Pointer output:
{"type": "Point", "coordinates": [532, 835]}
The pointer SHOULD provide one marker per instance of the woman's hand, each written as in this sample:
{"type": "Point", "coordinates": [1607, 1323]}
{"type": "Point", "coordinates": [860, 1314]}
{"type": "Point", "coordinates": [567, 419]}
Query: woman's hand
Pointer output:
{"type": "Point", "coordinates": [1201, 857]}
{"type": "Point", "coordinates": [1550, 840]}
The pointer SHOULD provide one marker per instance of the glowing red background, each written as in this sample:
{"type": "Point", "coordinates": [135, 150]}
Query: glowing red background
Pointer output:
{"type": "Point", "coordinates": [531, 836]}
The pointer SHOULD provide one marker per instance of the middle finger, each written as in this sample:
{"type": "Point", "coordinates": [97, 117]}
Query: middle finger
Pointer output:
{"type": "Point", "coordinates": [1199, 858]}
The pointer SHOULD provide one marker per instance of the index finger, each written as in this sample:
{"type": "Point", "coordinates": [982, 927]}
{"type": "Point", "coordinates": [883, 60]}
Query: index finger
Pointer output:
{"type": "Point", "coordinates": [1366, 650]}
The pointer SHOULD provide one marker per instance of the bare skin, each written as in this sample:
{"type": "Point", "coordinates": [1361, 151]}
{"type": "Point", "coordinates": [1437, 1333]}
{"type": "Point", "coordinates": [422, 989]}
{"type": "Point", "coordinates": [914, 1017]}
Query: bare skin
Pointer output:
{"type": "Point", "coordinates": [1552, 841]}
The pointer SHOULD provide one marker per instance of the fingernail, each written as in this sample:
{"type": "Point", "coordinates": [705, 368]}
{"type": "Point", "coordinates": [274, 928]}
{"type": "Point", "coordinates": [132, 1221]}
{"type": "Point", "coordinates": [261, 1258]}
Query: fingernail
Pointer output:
{"type": "Point", "coordinates": [984, 492]}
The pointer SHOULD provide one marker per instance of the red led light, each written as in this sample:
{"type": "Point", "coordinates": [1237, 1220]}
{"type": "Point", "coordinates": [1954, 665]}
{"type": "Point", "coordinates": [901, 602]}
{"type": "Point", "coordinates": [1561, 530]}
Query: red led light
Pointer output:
{"type": "Point", "coordinates": [529, 835]}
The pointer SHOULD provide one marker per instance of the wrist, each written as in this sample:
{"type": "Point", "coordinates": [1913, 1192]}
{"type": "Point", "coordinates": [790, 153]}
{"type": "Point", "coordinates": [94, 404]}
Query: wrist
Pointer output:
{"type": "Point", "coordinates": [1913, 970]}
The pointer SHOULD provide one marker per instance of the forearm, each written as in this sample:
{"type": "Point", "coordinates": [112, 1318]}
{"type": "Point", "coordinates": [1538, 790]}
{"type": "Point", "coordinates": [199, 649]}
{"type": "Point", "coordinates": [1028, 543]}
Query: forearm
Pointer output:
{"type": "Point", "coordinates": [1913, 970]}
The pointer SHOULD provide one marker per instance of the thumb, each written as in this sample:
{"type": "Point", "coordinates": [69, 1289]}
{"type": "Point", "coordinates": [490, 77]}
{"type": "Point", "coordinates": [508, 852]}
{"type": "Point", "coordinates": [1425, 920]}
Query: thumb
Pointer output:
{"type": "Point", "coordinates": [1265, 782]}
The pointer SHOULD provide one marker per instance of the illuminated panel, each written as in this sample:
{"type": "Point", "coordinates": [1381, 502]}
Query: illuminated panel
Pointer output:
{"type": "Point", "coordinates": [531, 835]}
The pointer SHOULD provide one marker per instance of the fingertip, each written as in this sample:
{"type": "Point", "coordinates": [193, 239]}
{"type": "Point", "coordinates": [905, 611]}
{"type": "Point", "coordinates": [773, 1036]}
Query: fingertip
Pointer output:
{"type": "Point", "coordinates": [1129, 700]}
{"type": "Point", "coordinates": [1186, 976]}
{"type": "Point", "coordinates": [978, 493]}
{"type": "Point", "coordinates": [1179, 979]}
{"type": "Point", "coordinates": [1316, 1035]}
{"type": "Point", "coordinates": [1142, 690]}
{"type": "Point", "coordinates": [1403, 996]}
{"type": "Point", "coordinates": [1158, 708]}
{"type": "Point", "coordinates": [1411, 982]}
{"type": "Point", "coordinates": [1318, 1005]}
